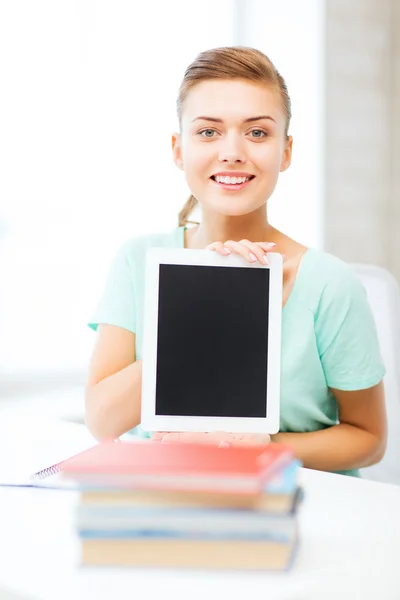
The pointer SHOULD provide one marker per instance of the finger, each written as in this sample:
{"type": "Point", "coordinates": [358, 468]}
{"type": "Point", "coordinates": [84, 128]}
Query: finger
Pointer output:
{"type": "Point", "coordinates": [224, 444]}
{"type": "Point", "coordinates": [241, 250]}
{"type": "Point", "coordinates": [237, 439]}
{"type": "Point", "coordinates": [170, 437]}
{"type": "Point", "coordinates": [259, 440]}
{"type": "Point", "coordinates": [217, 437]}
{"type": "Point", "coordinates": [267, 246]}
{"type": "Point", "coordinates": [256, 250]}
{"type": "Point", "coordinates": [219, 247]}
{"type": "Point", "coordinates": [224, 439]}
{"type": "Point", "coordinates": [185, 437]}
{"type": "Point", "coordinates": [192, 436]}
{"type": "Point", "coordinates": [202, 437]}
{"type": "Point", "coordinates": [244, 439]}
{"type": "Point", "coordinates": [158, 436]}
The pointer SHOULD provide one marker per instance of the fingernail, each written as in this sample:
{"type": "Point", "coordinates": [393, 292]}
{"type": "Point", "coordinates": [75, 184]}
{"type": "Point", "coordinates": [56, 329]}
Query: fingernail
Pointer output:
{"type": "Point", "coordinates": [265, 259]}
{"type": "Point", "coordinates": [224, 445]}
{"type": "Point", "coordinates": [252, 257]}
{"type": "Point", "coordinates": [271, 244]}
{"type": "Point", "coordinates": [227, 251]}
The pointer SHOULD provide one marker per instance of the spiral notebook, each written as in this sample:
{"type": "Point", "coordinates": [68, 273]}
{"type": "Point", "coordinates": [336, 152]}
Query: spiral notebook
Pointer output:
{"type": "Point", "coordinates": [39, 464]}
{"type": "Point", "coordinates": [43, 477]}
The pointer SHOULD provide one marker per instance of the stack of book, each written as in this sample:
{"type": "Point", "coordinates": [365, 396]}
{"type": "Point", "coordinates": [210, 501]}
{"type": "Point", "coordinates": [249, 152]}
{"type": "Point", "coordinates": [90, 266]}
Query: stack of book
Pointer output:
{"type": "Point", "coordinates": [150, 504]}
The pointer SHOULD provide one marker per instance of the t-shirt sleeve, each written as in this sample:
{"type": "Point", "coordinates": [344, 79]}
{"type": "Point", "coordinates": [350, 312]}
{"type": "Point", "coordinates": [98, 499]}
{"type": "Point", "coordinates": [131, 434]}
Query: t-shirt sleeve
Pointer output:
{"type": "Point", "coordinates": [117, 303]}
{"type": "Point", "coordinates": [346, 335]}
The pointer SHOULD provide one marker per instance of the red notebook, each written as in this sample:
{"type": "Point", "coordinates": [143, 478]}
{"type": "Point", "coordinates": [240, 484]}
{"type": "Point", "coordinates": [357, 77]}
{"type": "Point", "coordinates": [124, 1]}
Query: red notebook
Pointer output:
{"type": "Point", "coordinates": [181, 466]}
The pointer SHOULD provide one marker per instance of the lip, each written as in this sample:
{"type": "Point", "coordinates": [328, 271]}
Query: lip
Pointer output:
{"type": "Point", "coordinates": [232, 174]}
{"type": "Point", "coordinates": [237, 187]}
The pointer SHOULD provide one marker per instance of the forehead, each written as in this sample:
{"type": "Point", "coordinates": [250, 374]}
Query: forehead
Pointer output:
{"type": "Point", "coordinates": [228, 99]}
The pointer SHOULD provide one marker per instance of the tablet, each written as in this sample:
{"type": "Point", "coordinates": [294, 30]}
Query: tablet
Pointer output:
{"type": "Point", "coordinates": [211, 342]}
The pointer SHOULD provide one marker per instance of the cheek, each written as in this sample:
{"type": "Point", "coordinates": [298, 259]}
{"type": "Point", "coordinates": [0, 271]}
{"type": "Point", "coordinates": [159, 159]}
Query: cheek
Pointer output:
{"type": "Point", "coordinates": [267, 158]}
{"type": "Point", "coordinates": [196, 159]}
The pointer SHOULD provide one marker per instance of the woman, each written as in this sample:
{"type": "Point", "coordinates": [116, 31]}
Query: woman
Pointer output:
{"type": "Point", "coordinates": [234, 114]}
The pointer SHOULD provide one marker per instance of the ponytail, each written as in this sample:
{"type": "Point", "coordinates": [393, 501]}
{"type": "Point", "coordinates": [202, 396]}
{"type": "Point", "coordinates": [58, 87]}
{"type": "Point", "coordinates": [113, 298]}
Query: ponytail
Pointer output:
{"type": "Point", "coordinates": [186, 211]}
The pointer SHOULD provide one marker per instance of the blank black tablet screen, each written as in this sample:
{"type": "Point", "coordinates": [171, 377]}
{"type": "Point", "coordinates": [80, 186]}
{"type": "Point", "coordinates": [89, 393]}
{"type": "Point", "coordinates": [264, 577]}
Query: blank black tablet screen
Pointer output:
{"type": "Point", "coordinates": [212, 341]}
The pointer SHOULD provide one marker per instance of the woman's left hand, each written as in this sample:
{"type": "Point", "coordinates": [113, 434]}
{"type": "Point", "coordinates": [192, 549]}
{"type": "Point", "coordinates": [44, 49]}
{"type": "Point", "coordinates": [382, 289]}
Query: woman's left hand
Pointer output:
{"type": "Point", "coordinates": [219, 438]}
{"type": "Point", "coordinates": [251, 251]}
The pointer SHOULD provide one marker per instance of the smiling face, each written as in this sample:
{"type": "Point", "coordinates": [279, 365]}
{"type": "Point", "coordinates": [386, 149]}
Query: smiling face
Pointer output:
{"type": "Point", "coordinates": [232, 144]}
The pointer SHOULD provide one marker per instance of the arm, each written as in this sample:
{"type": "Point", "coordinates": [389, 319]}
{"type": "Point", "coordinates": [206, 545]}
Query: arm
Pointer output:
{"type": "Point", "coordinates": [359, 440]}
{"type": "Point", "coordinates": [113, 390]}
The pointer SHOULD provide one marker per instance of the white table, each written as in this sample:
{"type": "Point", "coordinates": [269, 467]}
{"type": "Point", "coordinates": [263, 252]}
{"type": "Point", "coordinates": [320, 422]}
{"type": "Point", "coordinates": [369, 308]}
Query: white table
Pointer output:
{"type": "Point", "coordinates": [349, 529]}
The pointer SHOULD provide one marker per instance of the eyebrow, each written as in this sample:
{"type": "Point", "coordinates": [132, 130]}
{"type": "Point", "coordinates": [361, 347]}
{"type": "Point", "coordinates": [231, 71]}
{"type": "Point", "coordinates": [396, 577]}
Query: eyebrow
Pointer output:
{"type": "Point", "coordinates": [249, 120]}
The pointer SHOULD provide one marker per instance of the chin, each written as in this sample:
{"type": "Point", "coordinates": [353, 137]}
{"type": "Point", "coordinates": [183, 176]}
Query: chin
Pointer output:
{"type": "Point", "coordinates": [228, 210]}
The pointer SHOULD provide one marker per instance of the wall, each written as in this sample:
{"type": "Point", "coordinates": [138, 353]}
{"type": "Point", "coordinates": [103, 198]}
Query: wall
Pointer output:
{"type": "Point", "coordinates": [394, 257]}
{"type": "Point", "coordinates": [362, 213]}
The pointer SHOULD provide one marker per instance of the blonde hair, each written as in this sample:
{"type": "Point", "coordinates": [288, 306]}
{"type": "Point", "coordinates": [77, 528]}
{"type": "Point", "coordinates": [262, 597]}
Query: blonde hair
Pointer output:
{"type": "Point", "coordinates": [236, 62]}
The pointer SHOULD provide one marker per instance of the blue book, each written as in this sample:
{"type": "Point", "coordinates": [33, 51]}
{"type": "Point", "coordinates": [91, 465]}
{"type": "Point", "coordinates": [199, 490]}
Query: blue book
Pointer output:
{"type": "Point", "coordinates": [283, 537]}
{"type": "Point", "coordinates": [285, 481]}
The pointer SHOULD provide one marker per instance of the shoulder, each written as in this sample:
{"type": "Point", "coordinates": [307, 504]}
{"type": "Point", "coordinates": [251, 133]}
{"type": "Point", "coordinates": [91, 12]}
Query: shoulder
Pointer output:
{"type": "Point", "coordinates": [344, 325]}
{"type": "Point", "coordinates": [328, 266]}
{"type": "Point", "coordinates": [135, 248]}
{"type": "Point", "coordinates": [328, 278]}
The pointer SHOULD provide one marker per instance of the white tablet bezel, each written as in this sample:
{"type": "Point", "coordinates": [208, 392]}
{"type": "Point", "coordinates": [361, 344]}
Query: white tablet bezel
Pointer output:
{"type": "Point", "coordinates": [178, 256]}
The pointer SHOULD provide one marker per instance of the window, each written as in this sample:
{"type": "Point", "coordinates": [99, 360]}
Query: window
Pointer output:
{"type": "Point", "coordinates": [291, 34]}
{"type": "Point", "coordinates": [88, 109]}
{"type": "Point", "coordinates": [87, 118]}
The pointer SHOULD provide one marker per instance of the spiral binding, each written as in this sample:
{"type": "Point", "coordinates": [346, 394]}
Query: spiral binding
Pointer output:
{"type": "Point", "coordinates": [47, 472]}
{"type": "Point", "coordinates": [54, 469]}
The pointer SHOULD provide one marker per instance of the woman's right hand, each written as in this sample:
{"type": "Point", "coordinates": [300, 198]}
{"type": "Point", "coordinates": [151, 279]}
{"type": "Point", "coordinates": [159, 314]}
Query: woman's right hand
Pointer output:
{"type": "Point", "coordinates": [251, 251]}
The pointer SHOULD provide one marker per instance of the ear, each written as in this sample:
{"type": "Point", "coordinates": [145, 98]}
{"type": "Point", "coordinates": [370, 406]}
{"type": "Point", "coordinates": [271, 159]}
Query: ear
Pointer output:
{"type": "Point", "coordinates": [176, 142]}
{"type": "Point", "coordinates": [287, 154]}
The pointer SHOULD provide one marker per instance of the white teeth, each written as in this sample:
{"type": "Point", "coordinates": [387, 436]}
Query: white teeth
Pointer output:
{"type": "Point", "coordinates": [231, 180]}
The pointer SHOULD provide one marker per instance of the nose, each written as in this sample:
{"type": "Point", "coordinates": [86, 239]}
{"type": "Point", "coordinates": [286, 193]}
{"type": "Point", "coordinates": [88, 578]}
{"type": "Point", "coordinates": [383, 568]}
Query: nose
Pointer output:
{"type": "Point", "coordinates": [231, 150]}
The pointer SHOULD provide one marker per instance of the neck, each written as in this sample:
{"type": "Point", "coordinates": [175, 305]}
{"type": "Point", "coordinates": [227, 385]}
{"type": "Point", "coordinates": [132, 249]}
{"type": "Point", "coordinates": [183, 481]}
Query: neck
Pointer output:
{"type": "Point", "coordinates": [213, 228]}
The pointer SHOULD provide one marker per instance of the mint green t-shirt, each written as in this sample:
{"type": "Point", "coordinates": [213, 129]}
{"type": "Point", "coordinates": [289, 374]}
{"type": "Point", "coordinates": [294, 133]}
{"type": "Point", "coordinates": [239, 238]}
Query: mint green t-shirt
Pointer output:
{"type": "Point", "coordinates": [329, 338]}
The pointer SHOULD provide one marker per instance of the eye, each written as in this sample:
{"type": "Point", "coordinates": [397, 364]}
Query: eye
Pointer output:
{"type": "Point", "coordinates": [258, 133]}
{"type": "Point", "coordinates": [207, 133]}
